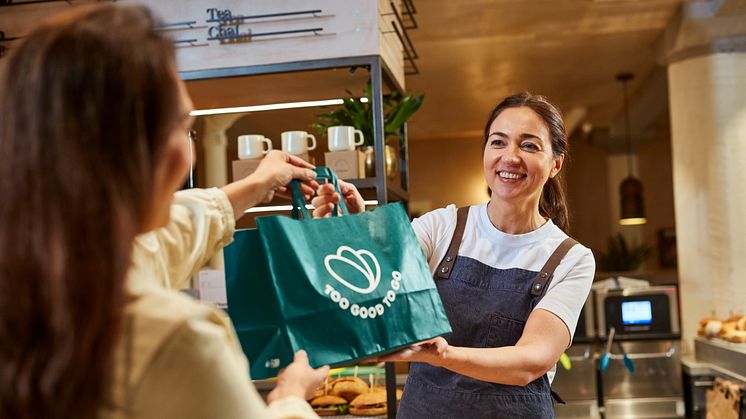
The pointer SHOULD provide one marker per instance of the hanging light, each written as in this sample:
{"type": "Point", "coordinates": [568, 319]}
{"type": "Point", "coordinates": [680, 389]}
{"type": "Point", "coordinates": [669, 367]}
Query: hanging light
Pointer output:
{"type": "Point", "coordinates": [632, 204]}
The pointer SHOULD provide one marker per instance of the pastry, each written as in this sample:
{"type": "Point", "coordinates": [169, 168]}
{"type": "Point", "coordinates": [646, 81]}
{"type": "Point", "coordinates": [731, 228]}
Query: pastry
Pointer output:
{"type": "Point", "coordinates": [741, 324]}
{"type": "Point", "coordinates": [713, 328]}
{"type": "Point", "coordinates": [735, 336]}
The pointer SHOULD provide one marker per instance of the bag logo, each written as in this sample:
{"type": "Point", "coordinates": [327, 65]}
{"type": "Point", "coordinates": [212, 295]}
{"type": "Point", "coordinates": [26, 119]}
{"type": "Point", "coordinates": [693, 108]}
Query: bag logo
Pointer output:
{"type": "Point", "coordinates": [359, 271]}
{"type": "Point", "coordinates": [357, 260]}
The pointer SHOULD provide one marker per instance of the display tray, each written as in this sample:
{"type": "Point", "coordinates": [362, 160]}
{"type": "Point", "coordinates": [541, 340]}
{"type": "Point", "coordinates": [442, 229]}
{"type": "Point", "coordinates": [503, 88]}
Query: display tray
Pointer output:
{"type": "Point", "coordinates": [725, 355]}
{"type": "Point", "coordinates": [369, 373]}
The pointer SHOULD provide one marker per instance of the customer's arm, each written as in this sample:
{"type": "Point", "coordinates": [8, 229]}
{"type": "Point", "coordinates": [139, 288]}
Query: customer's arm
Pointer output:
{"type": "Point", "coordinates": [203, 220]}
{"type": "Point", "coordinates": [272, 176]}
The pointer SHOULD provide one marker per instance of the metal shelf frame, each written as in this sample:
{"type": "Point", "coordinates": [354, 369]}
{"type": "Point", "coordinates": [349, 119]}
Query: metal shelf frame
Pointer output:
{"type": "Point", "coordinates": [379, 74]}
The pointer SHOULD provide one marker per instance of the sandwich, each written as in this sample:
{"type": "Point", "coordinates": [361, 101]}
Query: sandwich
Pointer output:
{"type": "Point", "coordinates": [382, 389]}
{"type": "Point", "coordinates": [329, 405]}
{"type": "Point", "coordinates": [369, 404]}
{"type": "Point", "coordinates": [348, 387]}
{"type": "Point", "coordinates": [321, 390]}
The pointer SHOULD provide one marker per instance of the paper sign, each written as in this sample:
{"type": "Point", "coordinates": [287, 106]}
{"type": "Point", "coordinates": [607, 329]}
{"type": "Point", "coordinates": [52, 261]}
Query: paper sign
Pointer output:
{"type": "Point", "coordinates": [212, 287]}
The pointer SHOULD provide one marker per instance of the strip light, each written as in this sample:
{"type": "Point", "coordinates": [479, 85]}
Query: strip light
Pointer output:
{"type": "Point", "coordinates": [270, 107]}
{"type": "Point", "coordinates": [275, 208]}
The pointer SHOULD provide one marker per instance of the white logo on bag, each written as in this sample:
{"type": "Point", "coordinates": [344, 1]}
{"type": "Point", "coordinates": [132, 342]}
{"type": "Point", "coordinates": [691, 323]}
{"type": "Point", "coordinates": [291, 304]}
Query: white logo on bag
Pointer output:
{"type": "Point", "coordinates": [361, 260]}
{"type": "Point", "coordinates": [359, 263]}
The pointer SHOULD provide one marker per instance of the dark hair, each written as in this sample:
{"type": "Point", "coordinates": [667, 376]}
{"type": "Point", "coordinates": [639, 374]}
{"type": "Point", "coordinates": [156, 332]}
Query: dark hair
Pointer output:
{"type": "Point", "coordinates": [552, 204]}
{"type": "Point", "coordinates": [88, 101]}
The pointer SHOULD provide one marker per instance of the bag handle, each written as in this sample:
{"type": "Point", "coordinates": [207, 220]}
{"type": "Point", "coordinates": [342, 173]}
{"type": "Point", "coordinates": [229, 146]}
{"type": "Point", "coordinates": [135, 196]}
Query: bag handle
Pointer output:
{"type": "Point", "coordinates": [299, 202]}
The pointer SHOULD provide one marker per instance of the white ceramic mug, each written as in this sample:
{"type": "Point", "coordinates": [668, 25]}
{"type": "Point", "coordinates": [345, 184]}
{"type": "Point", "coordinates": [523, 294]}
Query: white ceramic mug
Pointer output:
{"type": "Point", "coordinates": [342, 138]}
{"type": "Point", "coordinates": [252, 146]}
{"type": "Point", "coordinates": [296, 142]}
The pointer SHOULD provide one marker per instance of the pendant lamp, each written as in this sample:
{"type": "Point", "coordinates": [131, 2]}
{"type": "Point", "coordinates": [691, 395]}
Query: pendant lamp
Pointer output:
{"type": "Point", "coordinates": [632, 204]}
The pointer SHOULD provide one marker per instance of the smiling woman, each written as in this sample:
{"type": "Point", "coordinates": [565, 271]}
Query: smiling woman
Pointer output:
{"type": "Point", "coordinates": [511, 280]}
{"type": "Point", "coordinates": [526, 134]}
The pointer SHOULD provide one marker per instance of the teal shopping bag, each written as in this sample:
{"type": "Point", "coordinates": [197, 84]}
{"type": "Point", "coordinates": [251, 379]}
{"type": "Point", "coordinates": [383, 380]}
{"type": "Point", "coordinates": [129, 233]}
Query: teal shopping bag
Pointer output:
{"type": "Point", "coordinates": [342, 288]}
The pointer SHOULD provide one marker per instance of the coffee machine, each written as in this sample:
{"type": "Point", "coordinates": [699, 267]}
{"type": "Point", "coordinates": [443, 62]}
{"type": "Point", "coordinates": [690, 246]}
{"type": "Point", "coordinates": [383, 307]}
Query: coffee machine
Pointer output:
{"type": "Point", "coordinates": [647, 327]}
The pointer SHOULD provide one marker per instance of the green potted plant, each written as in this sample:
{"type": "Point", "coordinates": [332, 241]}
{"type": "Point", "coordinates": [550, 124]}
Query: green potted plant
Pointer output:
{"type": "Point", "coordinates": [397, 109]}
{"type": "Point", "coordinates": [621, 256]}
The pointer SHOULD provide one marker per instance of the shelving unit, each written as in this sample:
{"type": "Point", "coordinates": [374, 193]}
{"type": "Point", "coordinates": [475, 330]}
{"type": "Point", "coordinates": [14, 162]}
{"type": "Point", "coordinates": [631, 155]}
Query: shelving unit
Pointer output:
{"type": "Point", "coordinates": [381, 76]}
{"type": "Point", "coordinates": [385, 190]}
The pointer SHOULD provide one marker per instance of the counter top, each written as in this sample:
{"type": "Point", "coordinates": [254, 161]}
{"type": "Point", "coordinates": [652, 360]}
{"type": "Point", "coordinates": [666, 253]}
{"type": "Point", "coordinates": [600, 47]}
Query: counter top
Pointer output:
{"type": "Point", "coordinates": [716, 357]}
{"type": "Point", "coordinates": [693, 367]}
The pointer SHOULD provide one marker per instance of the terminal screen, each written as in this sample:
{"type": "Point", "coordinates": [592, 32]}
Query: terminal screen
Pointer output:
{"type": "Point", "coordinates": [637, 312]}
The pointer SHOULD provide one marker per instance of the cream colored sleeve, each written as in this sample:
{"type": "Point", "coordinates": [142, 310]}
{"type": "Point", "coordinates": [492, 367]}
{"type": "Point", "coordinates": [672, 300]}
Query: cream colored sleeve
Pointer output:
{"type": "Point", "coordinates": [201, 224]}
{"type": "Point", "coordinates": [201, 373]}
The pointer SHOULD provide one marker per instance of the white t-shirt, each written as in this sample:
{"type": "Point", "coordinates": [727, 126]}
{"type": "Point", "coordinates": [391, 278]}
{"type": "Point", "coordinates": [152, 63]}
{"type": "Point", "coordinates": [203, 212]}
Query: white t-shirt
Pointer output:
{"type": "Point", "coordinates": [570, 285]}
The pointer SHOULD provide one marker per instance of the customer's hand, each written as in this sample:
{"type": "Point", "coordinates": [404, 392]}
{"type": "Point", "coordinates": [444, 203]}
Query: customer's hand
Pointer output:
{"type": "Point", "coordinates": [298, 379]}
{"type": "Point", "coordinates": [278, 169]}
{"type": "Point", "coordinates": [326, 197]}
{"type": "Point", "coordinates": [433, 351]}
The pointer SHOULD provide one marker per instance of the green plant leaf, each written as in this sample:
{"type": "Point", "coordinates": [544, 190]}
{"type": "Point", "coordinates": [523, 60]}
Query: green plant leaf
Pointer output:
{"type": "Point", "coordinates": [621, 256]}
{"type": "Point", "coordinates": [405, 108]}
{"type": "Point", "coordinates": [397, 109]}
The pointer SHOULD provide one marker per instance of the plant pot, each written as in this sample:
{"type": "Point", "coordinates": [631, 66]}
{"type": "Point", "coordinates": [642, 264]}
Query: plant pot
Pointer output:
{"type": "Point", "coordinates": [391, 161]}
{"type": "Point", "coordinates": [391, 157]}
{"type": "Point", "coordinates": [370, 161]}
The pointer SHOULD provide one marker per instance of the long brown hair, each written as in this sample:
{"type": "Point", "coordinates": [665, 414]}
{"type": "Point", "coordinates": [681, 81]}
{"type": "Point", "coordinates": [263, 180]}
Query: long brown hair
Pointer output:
{"type": "Point", "coordinates": [552, 204]}
{"type": "Point", "coordinates": [88, 100]}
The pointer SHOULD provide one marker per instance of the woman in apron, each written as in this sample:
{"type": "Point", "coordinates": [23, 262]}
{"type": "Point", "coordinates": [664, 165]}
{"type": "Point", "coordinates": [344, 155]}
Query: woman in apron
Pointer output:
{"type": "Point", "coordinates": [511, 280]}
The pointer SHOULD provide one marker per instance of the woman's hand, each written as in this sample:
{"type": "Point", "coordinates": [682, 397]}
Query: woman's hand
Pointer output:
{"type": "Point", "coordinates": [298, 379]}
{"type": "Point", "coordinates": [270, 178]}
{"type": "Point", "coordinates": [326, 197]}
{"type": "Point", "coordinates": [278, 169]}
{"type": "Point", "coordinates": [433, 352]}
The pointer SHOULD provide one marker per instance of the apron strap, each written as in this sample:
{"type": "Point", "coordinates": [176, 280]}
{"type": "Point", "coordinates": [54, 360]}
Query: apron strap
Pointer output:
{"type": "Point", "coordinates": [542, 279]}
{"type": "Point", "coordinates": [446, 265]}
{"type": "Point", "coordinates": [556, 398]}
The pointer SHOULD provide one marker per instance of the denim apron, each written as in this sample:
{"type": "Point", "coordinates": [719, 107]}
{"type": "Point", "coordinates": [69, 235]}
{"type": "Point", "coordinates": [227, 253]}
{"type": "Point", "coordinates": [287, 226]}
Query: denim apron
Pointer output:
{"type": "Point", "coordinates": [487, 308]}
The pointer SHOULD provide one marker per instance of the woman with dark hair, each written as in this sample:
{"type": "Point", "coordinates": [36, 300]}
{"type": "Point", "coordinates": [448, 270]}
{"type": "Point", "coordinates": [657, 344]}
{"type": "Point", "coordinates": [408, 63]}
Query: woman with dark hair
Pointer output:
{"type": "Point", "coordinates": [511, 280]}
{"type": "Point", "coordinates": [93, 134]}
